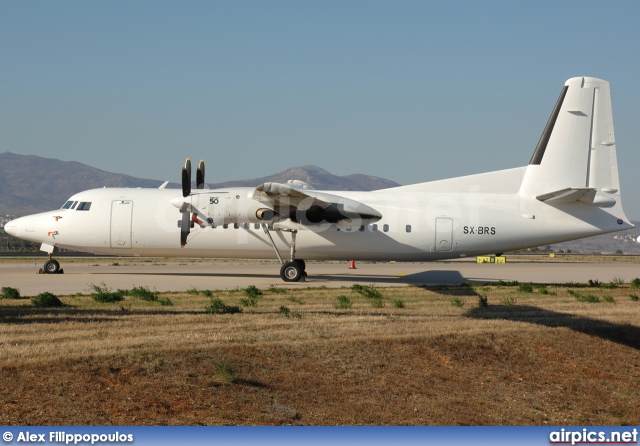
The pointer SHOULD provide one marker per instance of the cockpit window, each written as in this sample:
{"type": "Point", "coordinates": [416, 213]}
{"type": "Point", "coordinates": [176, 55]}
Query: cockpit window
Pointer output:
{"type": "Point", "coordinates": [84, 206]}
{"type": "Point", "coordinates": [73, 206]}
{"type": "Point", "coordinates": [67, 205]}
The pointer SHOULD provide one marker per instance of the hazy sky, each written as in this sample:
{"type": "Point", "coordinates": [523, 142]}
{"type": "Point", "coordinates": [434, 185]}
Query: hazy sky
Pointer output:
{"type": "Point", "coordinates": [410, 91]}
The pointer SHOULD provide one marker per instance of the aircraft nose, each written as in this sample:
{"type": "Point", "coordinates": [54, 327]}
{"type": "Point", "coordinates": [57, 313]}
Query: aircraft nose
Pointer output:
{"type": "Point", "coordinates": [11, 228]}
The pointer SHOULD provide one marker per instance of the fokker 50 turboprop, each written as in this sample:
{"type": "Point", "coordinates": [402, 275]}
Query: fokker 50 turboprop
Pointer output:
{"type": "Point", "coordinates": [570, 189]}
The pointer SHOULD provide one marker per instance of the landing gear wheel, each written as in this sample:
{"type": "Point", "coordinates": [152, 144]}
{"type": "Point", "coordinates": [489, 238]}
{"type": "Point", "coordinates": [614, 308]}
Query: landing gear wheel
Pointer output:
{"type": "Point", "coordinates": [292, 271]}
{"type": "Point", "coordinates": [51, 267]}
{"type": "Point", "coordinates": [302, 264]}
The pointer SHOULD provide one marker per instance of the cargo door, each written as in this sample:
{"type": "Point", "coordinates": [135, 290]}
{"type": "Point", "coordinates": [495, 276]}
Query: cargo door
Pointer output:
{"type": "Point", "coordinates": [121, 217]}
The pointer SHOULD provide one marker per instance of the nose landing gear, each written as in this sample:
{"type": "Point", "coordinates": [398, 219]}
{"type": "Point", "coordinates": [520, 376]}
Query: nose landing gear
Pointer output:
{"type": "Point", "coordinates": [51, 266]}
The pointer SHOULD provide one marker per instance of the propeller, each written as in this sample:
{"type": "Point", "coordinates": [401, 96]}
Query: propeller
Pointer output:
{"type": "Point", "coordinates": [186, 208]}
{"type": "Point", "coordinates": [186, 178]}
{"type": "Point", "coordinates": [200, 175]}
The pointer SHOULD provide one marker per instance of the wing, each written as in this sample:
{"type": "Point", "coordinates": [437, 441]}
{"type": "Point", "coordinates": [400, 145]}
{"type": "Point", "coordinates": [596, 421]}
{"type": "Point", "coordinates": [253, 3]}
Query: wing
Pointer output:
{"type": "Point", "coordinates": [308, 206]}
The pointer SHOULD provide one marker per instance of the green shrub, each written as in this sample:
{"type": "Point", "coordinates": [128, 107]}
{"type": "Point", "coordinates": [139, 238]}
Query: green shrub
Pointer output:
{"type": "Point", "coordinates": [217, 306]}
{"type": "Point", "coordinates": [144, 293]}
{"type": "Point", "coordinates": [225, 372]}
{"type": "Point", "coordinates": [284, 311]}
{"type": "Point", "coordinates": [46, 299]}
{"type": "Point", "coordinates": [397, 303]}
{"type": "Point", "coordinates": [377, 303]}
{"type": "Point", "coordinates": [9, 293]}
{"type": "Point", "coordinates": [252, 292]}
{"type": "Point", "coordinates": [457, 302]}
{"type": "Point", "coordinates": [635, 283]}
{"type": "Point", "coordinates": [608, 298]}
{"type": "Point", "coordinates": [366, 291]}
{"type": "Point", "coordinates": [343, 302]}
{"type": "Point", "coordinates": [102, 293]}
{"type": "Point", "coordinates": [617, 281]}
{"type": "Point", "coordinates": [510, 283]}
{"type": "Point", "coordinates": [165, 302]}
{"type": "Point", "coordinates": [526, 287]}
{"type": "Point", "coordinates": [296, 300]}
{"type": "Point", "coordinates": [195, 291]}
{"type": "Point", "coordinates": [588, 298]}
{"type": "Point", "coordinates": [634, 297]}
{"type": "Point", "coordinates": [249, 302]}
{"type": "Point", "coordinates": [276, 290]}
{"type": "Point", "coordinates": [483, 301]}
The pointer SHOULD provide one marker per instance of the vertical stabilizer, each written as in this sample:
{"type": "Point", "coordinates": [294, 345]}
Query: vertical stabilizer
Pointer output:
{"type": "Point", "coordinates": [577, 148]}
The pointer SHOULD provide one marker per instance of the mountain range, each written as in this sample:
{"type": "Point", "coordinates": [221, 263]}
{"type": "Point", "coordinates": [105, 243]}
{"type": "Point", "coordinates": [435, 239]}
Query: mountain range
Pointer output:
{"type": "Point", "coordinates": [31, 184]}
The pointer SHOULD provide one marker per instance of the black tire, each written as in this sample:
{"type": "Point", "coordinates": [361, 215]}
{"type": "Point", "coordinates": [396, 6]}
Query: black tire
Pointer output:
{"type": "Point", "coordinates": [302, 264]}
{"type": "Point", "coordinates": [51, 267]}
{"type": "Point", "coordinates": [291, 272]}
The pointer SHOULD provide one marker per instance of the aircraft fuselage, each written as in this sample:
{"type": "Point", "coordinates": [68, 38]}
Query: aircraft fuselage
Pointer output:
{"type": "Point", "coordinates": [414, 226]}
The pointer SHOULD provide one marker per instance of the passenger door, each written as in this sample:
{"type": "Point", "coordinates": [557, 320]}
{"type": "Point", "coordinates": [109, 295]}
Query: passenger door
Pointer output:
{"type": "Point", "coordinates": [444, 234]}
{"type": "Point", "coordinates": [121, 219]}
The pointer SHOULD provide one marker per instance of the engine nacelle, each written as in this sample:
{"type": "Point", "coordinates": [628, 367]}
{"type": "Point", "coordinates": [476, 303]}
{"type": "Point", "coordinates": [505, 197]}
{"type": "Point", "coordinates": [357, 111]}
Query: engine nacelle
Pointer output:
{"type": "Point", "coordinates": [233, 206]}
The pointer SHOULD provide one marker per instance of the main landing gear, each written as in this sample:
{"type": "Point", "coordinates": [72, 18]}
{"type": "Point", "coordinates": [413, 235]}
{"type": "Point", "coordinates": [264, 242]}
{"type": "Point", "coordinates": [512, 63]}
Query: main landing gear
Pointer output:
{"type": "Point", "coordinates": [51, 266]}
{"type": "Point", "coordinates": [294, 269]}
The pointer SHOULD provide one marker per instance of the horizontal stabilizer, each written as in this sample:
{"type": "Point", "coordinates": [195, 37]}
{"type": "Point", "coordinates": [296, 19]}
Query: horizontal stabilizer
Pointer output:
{"type": "Point", "coordinates": [585, 195]}
{"type": "Point", "coordinates": [567, 195]}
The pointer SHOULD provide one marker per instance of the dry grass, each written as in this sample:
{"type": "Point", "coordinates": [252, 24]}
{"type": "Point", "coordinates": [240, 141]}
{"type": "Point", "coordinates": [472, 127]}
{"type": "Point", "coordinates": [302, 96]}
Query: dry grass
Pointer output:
{"type": "Point", "coordinates": [526, 358]}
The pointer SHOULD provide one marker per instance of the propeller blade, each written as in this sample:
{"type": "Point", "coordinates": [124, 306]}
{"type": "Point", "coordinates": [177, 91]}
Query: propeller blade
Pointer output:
{"type": "Point", "coordinates": [186, 178]}
{"type": "Point", "coordinates": [185, 228]}
{"type": "Point", "coordinates": [200, 175]}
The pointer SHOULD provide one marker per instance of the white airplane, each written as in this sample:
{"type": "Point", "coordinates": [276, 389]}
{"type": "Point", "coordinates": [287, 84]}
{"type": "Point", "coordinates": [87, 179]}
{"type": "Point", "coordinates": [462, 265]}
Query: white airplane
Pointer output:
{"type": "Point", "coordinates": [569, 190]}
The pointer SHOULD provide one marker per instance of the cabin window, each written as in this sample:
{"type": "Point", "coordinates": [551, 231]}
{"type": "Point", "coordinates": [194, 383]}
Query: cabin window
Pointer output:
{"type": "Point", "coordinates": [256, 226]}
{"type": "Point", "coordinates": [236, 226]}
{"type": "Point", "coordinates": [374, 227]}
{"type": "Point", "coordinates": [84, 206]}
{"type": "Point", "coordinates": [408, 228]}
{"type": "Point", "coordinates": [385, 228]}
{"type": "Point", "coordinates": [362, 228]}
{"type": "Point", "coordinates": [246, 225]}
{"type": "Point", "coordinates": [225, 226]}
{"type": "Point", "coordinates": [67, 205]}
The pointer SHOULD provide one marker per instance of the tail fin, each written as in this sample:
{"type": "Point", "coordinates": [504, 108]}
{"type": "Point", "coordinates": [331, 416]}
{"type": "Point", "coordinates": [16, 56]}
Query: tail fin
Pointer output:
{"type": "Point", "coordinates": [575, 159]}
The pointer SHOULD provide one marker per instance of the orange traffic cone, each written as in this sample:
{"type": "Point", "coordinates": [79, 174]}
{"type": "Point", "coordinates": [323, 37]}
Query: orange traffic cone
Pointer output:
{"type": "Point", "coordinates": [352, 265]}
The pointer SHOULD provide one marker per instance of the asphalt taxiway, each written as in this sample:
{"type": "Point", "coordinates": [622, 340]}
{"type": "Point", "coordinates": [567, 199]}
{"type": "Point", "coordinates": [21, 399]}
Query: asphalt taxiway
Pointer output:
{"type": "Point", "coordinates": [170, 275]}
